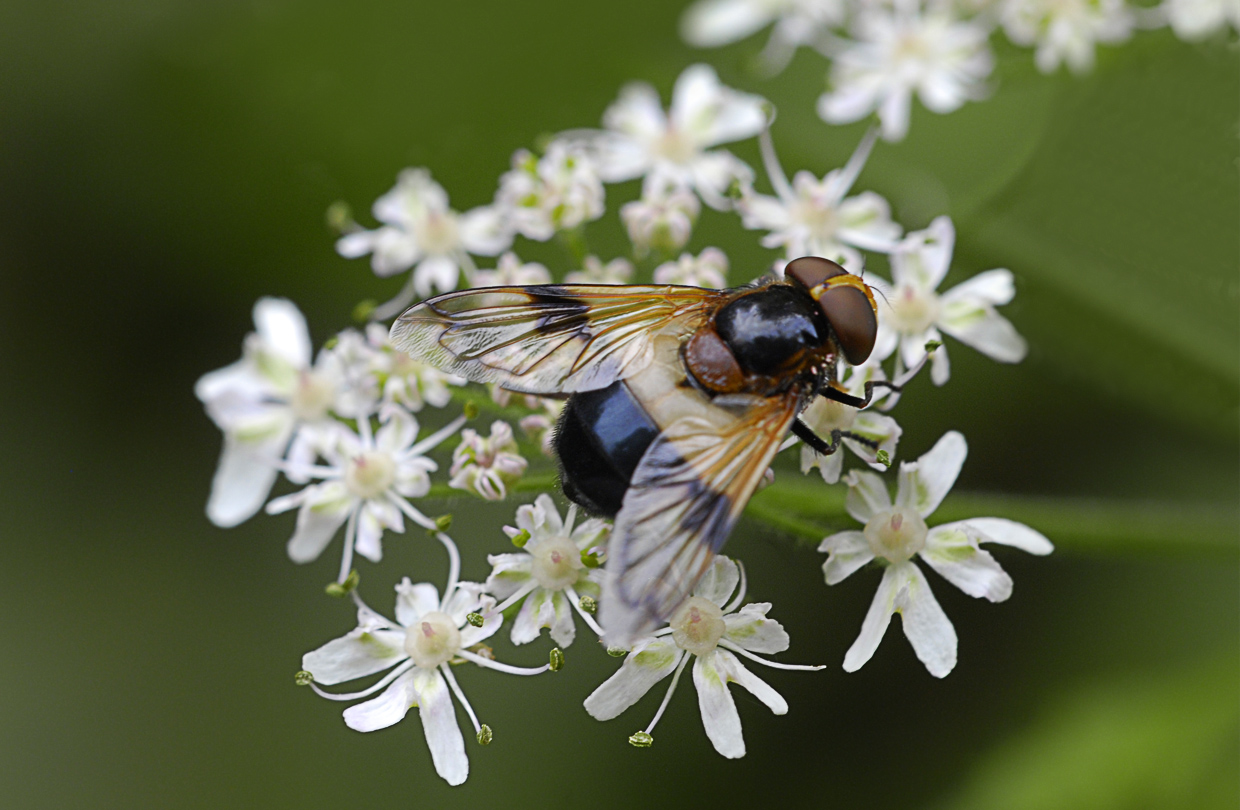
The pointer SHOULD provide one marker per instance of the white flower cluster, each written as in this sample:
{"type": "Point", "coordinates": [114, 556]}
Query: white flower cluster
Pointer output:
{"type": "Point", "coordinates": [343, 427]}
{"type": "Point", "coordinates": [882, 53]}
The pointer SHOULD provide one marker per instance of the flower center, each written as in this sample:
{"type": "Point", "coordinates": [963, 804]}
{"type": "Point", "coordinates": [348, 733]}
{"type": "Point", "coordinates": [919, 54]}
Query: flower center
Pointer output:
{"type": "Point", "coordinates": [557, 563]}
{"type": "Point", "coordinates": [432, 640]}
{"type": "Point", "coordinates": [370, 474]}
{"type": "Point", "coordinates": [438, 233]}
{"type": "Point", "coordinates": [676, 146]}
{"type": "Point", "coordinates": [697, 625]}
{"type": "Point", "coordinates": [821, 219]}
{"type": "Point", "coordinates": [915, 310]}
{"type": "Point", "coordinates": [896, 534]}
{"type": "Point", "coordinates": [312, 396]}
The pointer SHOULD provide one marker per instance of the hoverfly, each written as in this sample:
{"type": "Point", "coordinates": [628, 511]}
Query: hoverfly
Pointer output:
{"type": "Point", "coordinates": [678, 400]}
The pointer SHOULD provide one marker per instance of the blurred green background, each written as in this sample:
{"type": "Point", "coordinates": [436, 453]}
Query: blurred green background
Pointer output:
{"type": "Point", "coordinates": [164, 163]}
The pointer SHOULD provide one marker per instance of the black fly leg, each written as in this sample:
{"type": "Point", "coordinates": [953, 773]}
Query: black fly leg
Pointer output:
{"type": "Point", "coordinates": [819, 445]}
{"type": "Point", "coordinates": [857, 402]}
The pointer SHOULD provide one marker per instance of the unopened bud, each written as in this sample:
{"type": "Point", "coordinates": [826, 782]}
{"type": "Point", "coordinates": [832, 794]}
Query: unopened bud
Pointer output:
{"type": "Point", "coordinates": [364, 309]}
{"type": "Point", "coordinates": [475, 619]}
{"type": "Point", "coordinates": [339, 216]}
{"type": "Point", "coordinates": [443, 522]}
{"type": "Point", "coordinates": [521, 538]}
{"type": "Point", "coordinates": [303, 678]}
{"type": "Point", "coordinates": [485, 735]}
{"type": "Point", "coordinates": [557, 659]}
{"type": "Point", "coordinates": [471, 410]}
{"type": "Point", "coordinates": [641, 740]}
{"type": "Point", "coordinates": [589, 605]}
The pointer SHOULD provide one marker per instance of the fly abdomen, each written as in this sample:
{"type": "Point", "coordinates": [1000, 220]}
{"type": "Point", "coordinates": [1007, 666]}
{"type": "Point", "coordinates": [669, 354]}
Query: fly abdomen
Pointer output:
{"type": "Point", "coordinates": [601, 437]}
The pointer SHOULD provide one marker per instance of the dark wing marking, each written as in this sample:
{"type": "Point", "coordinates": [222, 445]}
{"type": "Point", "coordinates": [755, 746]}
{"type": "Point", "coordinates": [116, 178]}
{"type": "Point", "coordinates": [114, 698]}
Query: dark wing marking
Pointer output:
{"type": "Point", "coordinates": [547, 339]}
{"type": "Point", "coordinates": [686, 495]}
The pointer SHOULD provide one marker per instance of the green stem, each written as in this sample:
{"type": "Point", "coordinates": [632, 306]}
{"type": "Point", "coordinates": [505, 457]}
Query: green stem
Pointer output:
{"type": "Point", "coordinates": [809, 511]}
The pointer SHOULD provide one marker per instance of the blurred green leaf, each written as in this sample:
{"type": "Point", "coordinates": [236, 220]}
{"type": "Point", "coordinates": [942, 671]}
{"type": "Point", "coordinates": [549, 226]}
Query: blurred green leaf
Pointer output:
{"type": "Point", "coordinates": [1158, 741]}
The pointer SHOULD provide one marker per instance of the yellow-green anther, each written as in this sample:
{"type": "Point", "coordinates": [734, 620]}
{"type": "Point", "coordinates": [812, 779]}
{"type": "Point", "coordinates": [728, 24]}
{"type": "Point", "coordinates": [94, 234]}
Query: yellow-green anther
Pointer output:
{"type": "Point", "coordinates": [471, 410]}
{"type": "Point", "coordinates": [931, 345]}
{"type": "Point", "coordinates": [331, 342]}
{"type": "Point", "coordinates": [364, 309]}
{"type": "Point", "coordinates": [339, 216]}
{"type": "Point", "coordinates": [521, 538]}
{"type": "Point", "coordinates": [303, 678]}
{"type": "Point", "coordinates": [485, 735]}
{"type": "Point", "coordinates": [475, 619]}
{"type": "Point", "coordinates": [443, 522]}
{"type": "Point", "coordinates": [339, 590]}
{"type": "Point", "coordinates": [641, 740]}
{"type": "Point", "coordinates": [884, 458]}
{"type": "Point", "coordinates": [617, 652]}
{"type": "Point", "coordinates": [589, 605]}
{"type": "Point", "coordinates": [589, 559]}
{"type": "Point", "coordinates": [557, 659]}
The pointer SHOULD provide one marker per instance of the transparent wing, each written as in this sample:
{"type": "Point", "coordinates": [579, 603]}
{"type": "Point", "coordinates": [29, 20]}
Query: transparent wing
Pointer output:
{"type": "Point", "coordinates": [686, 495]}
{"type": "Point", "coordinates": [547, 339]}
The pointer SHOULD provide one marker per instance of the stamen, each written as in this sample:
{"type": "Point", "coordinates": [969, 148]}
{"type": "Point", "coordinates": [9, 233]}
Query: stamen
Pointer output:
{"type": "Point", "coordinates": [684, 659]}
{"type": "Point", "coordinates": [740, 593]}
{"type": "Point", "coordinates": [848, 175]}
{"type": "Point", "coordinates": [723, 642]}
{"type": "Point", "coordinates": [496, 665]}
{"type": "Point", "coordinates": [774, 171]}
{"type": "Point", "coordinates": [412, 513]}
{"type": "Point", "coordinates": [394, 307]}
{"type": "Point", "coordinates": [435, 438]}
{"type": "Point", "coordinates": [350, 537]}
{"type": "Point", "coordinates": [460, 696]}
{"type": "Point", "coordinates": [521, 593]}
{"type": "Point", "coordinates": [404, 667]}
{"type": "Point", "coordinates": [575, 600]}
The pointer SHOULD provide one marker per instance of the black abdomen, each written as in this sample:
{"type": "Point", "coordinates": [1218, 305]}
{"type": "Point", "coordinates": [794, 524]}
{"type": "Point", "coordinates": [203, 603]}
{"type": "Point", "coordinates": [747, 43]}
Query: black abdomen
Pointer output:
{"type": "Point", "coordinates": [601, 437]}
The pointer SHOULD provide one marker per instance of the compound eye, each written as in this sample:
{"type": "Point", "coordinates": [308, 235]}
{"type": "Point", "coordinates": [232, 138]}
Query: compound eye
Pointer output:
{"type": "Point", "coordinates": [810, 271]}
{"type": "Point", "coordinates": [853, 321]}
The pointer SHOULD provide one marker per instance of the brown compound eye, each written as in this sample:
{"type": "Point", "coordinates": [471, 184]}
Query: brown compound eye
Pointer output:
{"type": "Point", "coordinates": [852, 319]}
{"type": "Point", "coordinates": [810, 271]}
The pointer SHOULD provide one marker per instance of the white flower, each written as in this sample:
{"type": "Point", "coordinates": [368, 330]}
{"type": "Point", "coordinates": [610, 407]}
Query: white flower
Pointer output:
{"type": "Point", "coordinates": [366, 484]}
{"type": "Point", "coordinates": [710, 23]}
{"type": "Point", "coordinates": [512, 271]}
{"type": "Point", "coordinates": [1198, 19]}
{"type": "Point", "coordinates": [895, 533]}
{"type": "Point", "coordinates": [406, 382]}
{"type": "Point", "coordinates": [913, 313]}
{"type": "Point", "coordinates": [812, 217]}
{"type": "Point", "coordinates": [420, 229]}
{"type": "Point", "coordinates": [550, 572]}
{"type": "Point", "coordinates": [270, 400]}
{"type": "Point", "coordinates": [541, 426]}
{"type": "Point", "coordinates": [428, 636]}
{"type": "Point", "coordinates": [554, 193]}
{"type": "Point", "coordinates": [709, 628]}
{"type": "Point", "coordinates": [1065, 30]}
{"type": "Point", "coordinates": [616, 271]}
{"type": "Point", "coordinates": [640, 138]}
{"type": "Point", "coordinates": [487, 467]}
{"type": "Point", "coordinates": [826, 415]}
{"type": "Point", "coordinates": [664, 216]}
{"type": "Point", "coordinates": [707, 269]}
{"type": "Point", "coordinates": [901, 50]}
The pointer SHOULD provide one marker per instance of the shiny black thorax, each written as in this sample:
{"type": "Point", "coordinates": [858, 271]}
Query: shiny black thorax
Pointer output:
{"type": "Point", "coordinates": [602, 435]}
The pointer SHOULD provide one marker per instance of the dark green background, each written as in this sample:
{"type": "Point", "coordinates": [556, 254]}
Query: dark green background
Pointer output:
{"type": "Point", "coordinates": [165, 163]}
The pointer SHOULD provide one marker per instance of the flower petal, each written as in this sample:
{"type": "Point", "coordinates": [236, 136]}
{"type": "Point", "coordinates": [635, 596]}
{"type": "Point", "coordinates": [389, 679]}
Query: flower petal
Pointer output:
{"type": "Point", "coordinates": [924, 483]}
{"type": "Point", "coordinates": [563, 629]}
{"type": "Point", "coordinates": [738, 673]}
{"type": "Point", "coordinates": [711, 23]}
{"type": "Point", "coordinates": [719, 716]}
{"type": "Point", "coordinates": [867, 495]}
{"type": "Point", "coordinates": [1011, 533]}
{"type": "Point", "coordinates": [712, 113]}
{"type": "Point", "coordinates": [508, 573]}
{"type": "Point", "coordinates": [976, 324]}
{"type": "Point", "coordinates": [719, 581]}
{"type": "Point", "coordinates": [283, 330]}
{"type": "Point", "coordinates": [994, 287]}
{"type": "Point", "coordinates": [846, 552]}
{"type": "Point", "coordinates": [925, 624]}
{"type": "Point", "coordinates": [317, 521]}
{"type": "Point", "coordinates": [386, 710]}
{"type": "Point", "coordinates": [649, 662]}
{"type": "Point", "coordinates": [876, 619]}
{"type": "Point", "coordinates": [415, 601]}
{"type": "Point", "coordinates": [750, 628]}
{"type": "Point", "coordinates": [537, 612]}
{"type": "Point", "coordinates": [243, 478]}
{"type": "Point", "coordinates": [362, 652]}
{"type": "Point", "coordinates": [952, 550]}
{"type": "Point", "coordinates": [485, 231]}
{"type": "Point", "coordinates": [443, 733]}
